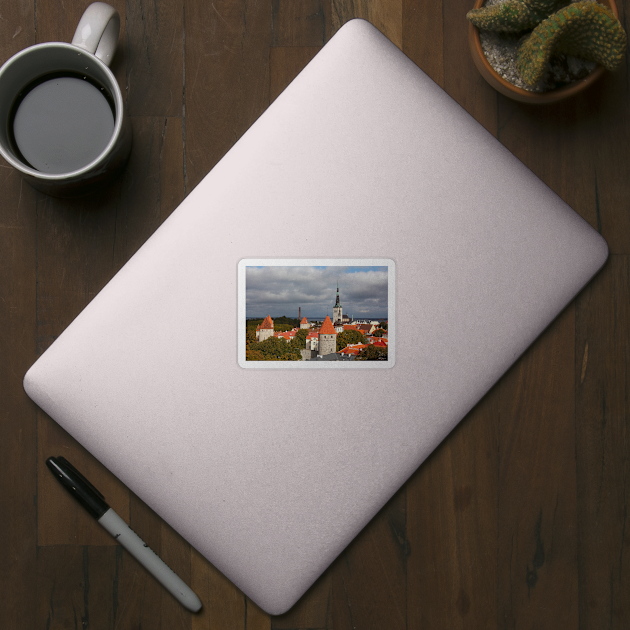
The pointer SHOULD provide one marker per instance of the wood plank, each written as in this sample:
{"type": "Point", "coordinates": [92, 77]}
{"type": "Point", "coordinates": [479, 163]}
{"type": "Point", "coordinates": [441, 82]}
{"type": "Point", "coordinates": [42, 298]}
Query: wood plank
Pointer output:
{"type": "Point", "coordinates": [285, 64]}
{"type": "Point", "coordinates": [60, 519]}
{"type": "Point", "coordinates": [152, 185]}
{"type": "Point", "coordinates": [461, 78]}
{"type": "Point", "coordinates": [313, 610]}
{"type": "Point", "coordinates": [386, 15]}
{"type": "Point", "coordinates": [226, 78]}
{"type": "Point", "coordinates": [224, 606]}
{"type": "Point", "coordinates": [18, 415]}
{"type": "Point", "coordinates": [142, 599]}
{"type": "Point", "coordinates": [369, 587]}
{"type": "Point", "coordinates": [423, 36]}
{"type": "Point", "coordinates": [303, 23]}
{"type": "Point", "coordinates": [608, 127]}
{"type": "Point", "coordinates": [154, 58]}
{"type": "Point", "coordinates": [558, 147]}
{"type": "Point", "coordinates": [76, 587]}
{"type": "Point", "coordinates": [452, 527]}
{"type": "Point", "coordinates": [18, 419]}
{"type": "Point", "coordinates": [17, 28]}
{"type": "Point", "coordinates": [603, 443]}
{"type": "Point", "coordinates": [537, 537]}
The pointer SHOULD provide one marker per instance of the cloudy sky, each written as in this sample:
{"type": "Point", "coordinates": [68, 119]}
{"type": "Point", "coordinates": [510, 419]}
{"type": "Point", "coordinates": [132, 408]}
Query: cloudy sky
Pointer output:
{"type": "Point", "coordinates": [278, 291]}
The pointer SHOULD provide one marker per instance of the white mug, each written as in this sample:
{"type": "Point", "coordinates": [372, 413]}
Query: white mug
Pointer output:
{"type": "Point", "coordinates": [62, 114]}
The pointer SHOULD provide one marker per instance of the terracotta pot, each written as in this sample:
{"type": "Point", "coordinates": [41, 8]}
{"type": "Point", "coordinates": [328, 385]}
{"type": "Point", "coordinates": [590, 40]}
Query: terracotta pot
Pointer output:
{"type": "Point", "coordinates": [508, 89]}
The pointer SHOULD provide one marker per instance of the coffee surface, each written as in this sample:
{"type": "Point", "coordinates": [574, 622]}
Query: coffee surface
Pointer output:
{"type": "Point", "coordinates": [62, 124]}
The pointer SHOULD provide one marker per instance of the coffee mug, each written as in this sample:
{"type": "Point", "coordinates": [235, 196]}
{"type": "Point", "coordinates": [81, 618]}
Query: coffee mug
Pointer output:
{"type": "Point", "coordinates": [62, 115]}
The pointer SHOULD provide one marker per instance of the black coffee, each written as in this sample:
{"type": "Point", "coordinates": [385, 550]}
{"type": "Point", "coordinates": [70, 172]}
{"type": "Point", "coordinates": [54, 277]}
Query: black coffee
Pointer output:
{"type": "Point", "coordinates": [62, 123]}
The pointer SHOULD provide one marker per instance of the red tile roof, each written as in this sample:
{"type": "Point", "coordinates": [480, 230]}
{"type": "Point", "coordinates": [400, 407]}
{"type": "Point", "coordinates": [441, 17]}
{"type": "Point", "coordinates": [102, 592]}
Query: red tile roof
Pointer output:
{"type": "Point", "coordinates": [348, 350]}
{"type": "Point", "coordinates": [327, 327]}
{"type": "Point", "coordinates": [304, 320]}
{"type": "Point", "coordinates": [267, 322]}
{"type": "Point", "coordinates": [353, 348]}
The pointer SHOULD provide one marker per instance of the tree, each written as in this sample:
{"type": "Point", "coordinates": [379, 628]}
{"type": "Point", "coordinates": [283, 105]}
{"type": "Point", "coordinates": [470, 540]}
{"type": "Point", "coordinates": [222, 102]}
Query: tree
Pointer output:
{"type": "Point", "coordinates": [299, 341]}
{"type": "Point", "coordinates": [272, 349]}
{"type": "Point", "coordinates": [372, 353]}
{"type": "Point", "coordinates": [378, 333]}
{"type": "Point", "coordinates": [383, 325]}
{"type": "Point", "coordinates": [347, 337]}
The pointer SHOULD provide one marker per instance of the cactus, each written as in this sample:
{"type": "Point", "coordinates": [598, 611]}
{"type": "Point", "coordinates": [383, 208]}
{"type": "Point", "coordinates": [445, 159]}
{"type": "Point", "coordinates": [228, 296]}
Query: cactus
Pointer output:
{"type": "Point", "coordinates": [583, 29]}
{"type": "Point", "coordinates": [513, 16]}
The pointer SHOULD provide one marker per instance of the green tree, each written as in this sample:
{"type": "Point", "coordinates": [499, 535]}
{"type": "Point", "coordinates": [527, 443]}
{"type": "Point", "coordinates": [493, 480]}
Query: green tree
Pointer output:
{"type": "Point", "coordinates": [347, 337]}
{"type": "Point", "coordinates": [272, 349]}
{"type": "Point", "coordinates": [250, 337]}
{"type": "Point", "coordinates": [372, 353]}
{"type": "Point", "coordinates": [299, 341]}
{"type": "Point", "coordinates": [378, 333]}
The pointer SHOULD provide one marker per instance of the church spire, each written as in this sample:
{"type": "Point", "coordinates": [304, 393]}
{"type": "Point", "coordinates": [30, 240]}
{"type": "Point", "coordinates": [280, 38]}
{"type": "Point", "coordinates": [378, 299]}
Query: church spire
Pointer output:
{"type": "Point", "coordinates": [337, 309]}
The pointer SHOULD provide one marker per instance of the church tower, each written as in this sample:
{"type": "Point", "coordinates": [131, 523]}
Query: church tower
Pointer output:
{"type": "Point", "coordinates": [337, 309]}
{"type": "Point", "coordinates": [327, 338]}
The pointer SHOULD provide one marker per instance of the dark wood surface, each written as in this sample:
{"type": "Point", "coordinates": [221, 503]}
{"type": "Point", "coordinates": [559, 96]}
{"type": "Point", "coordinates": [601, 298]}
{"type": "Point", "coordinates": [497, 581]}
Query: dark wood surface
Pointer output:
{"type": "Point", "coordinates": [518, 520]}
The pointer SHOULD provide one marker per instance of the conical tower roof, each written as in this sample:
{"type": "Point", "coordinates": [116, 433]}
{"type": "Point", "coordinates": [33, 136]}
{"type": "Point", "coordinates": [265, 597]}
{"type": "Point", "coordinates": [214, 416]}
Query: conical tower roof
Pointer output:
{"type": "Point", "coordinates": [267, 322]}
{"type": "Point", "coordinates": [327, 327]}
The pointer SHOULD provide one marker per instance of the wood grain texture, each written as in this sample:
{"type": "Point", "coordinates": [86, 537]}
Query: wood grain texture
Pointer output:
{"type": "Point", "coordinates": [285, 64]}
{"type": "Point", "coordinates": [369, 577]}
{"type": "Point", "coordinates": [303, 23]}
{"type": "Point", "coordinates": [602, 381]}
{"type": "Point", "coordinates": [518, 520]}
{"type": "Point", "coordinates": [422, 36]}
{"type": "Point", "coordinates": [18, 325]}
{"type": "Point", "coordinates": [154, 57]}
{"type": "Point", "coordinates": [452, 527]}
{"type": "Point", "coordinates": [76, 587]}
{"type": "Point", "coordinates": [537, 536]}
{"type": "Point", "coordinates": [461, 79]}
{"type": "Point", "coordinates": [226, 78]}
{"type": "Point", "coordinates": [386, 15]}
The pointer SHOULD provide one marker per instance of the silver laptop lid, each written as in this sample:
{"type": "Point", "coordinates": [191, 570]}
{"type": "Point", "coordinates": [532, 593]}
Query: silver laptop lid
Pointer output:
{"type": "Point", "coordinates": [362, 162]}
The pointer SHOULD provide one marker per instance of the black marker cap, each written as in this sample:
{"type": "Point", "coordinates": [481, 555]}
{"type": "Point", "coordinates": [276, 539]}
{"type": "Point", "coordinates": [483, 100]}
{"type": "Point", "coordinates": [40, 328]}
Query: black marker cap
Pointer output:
{"type": "Point", "coordinates": [78, 486]}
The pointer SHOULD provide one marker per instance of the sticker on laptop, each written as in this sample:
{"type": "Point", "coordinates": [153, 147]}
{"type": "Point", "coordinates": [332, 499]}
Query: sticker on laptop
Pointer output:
{"type": "Point", "coordinates": [316, 313]}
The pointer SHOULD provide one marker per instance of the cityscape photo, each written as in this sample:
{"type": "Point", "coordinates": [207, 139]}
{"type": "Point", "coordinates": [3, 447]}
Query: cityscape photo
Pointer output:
{"type": "Point", "coordinates": [317, 313]}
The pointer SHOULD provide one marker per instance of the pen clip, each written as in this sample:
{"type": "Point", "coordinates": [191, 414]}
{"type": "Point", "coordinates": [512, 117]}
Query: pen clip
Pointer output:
{"type": "Point", "coordinates": [65, 463]}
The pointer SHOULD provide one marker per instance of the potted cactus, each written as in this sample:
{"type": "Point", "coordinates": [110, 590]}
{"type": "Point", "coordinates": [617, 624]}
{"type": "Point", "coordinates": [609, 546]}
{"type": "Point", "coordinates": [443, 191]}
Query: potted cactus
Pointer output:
{"type": "Point", "coordinates": [557, 48]}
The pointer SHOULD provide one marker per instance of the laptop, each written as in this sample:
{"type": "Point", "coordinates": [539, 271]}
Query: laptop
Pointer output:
{"type": "Point", "coordinates": [364, 200]}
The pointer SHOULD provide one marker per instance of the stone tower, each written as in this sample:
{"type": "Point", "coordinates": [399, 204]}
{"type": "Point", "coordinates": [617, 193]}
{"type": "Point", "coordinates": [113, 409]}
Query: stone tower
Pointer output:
{"type": "Point", "coordinates": [265, 330]}
{"type": "Point", "coordinates": [337, 309]}
{"type": "Point", "coordinates": [327, 338]}
{"type": "Point", "coordinates": [304, 323]}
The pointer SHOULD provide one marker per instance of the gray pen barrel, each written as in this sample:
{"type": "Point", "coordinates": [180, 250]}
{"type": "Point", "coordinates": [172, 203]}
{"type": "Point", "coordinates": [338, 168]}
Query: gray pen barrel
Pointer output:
{"type": "Point", "coordinates": [149, 559]}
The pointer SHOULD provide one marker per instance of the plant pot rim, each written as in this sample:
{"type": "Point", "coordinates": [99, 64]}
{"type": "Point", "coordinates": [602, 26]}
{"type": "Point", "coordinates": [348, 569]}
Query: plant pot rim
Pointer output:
{"type": "Point", "coordinates": [519, 94]}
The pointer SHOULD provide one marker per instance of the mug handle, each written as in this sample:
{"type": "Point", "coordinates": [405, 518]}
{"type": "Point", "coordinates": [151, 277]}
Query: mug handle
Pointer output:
{"type": "Point", "coordinates": [98, 30]}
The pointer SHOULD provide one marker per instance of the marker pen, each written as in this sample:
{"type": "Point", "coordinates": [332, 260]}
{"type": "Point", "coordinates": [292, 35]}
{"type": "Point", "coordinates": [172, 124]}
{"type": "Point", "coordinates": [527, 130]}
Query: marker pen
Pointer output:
{"type": "Point", "coordinates": [94, 502]}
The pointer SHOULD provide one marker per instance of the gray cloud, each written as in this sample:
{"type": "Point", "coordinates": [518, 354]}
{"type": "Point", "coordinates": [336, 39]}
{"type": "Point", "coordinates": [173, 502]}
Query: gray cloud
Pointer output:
{"type": "Point", "coordinates": [278, 291]}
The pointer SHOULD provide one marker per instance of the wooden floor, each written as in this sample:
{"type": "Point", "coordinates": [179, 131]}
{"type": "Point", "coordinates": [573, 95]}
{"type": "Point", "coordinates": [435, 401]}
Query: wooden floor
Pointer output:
{"type": "Point", "coordinates": [518, 520]}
